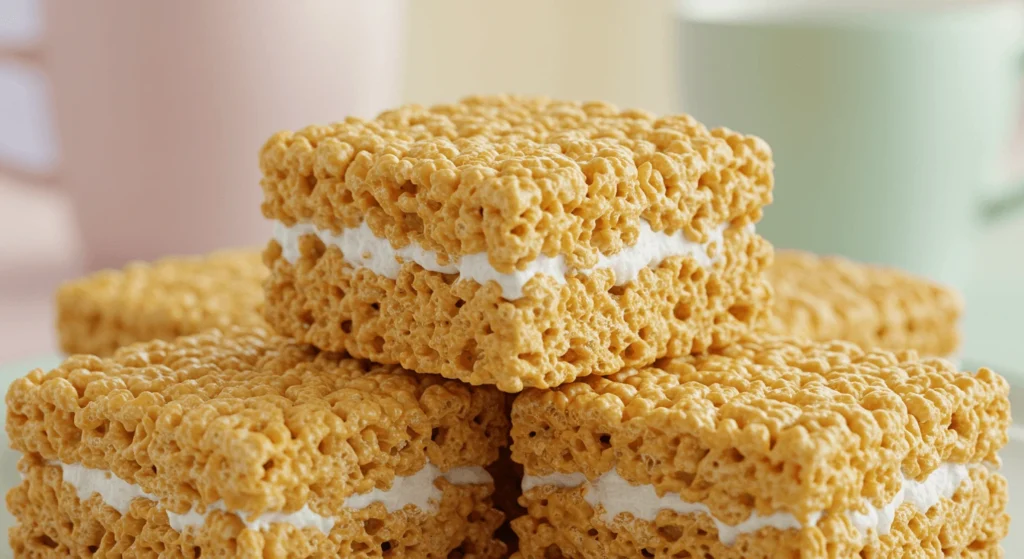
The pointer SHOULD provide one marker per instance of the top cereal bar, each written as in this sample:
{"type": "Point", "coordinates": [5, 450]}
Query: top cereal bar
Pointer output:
{"type": "Point", "coordinates": [516, 241]}
{"type": "Point", "coordinates": [517, 178]}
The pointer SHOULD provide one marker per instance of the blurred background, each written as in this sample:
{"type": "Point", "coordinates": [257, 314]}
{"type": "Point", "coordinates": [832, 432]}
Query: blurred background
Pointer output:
{"type": "Point", "coordinates": [129, 130]}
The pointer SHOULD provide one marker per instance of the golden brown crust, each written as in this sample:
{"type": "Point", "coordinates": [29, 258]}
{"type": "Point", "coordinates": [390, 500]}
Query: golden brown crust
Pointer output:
{"type": "Point", "coordinates": [516, 177]}
{"type": "Point", "coordinates": [53, 523]}
{"type": "Point", "coordinates": [556, 332]}
{"type": "Point", "coordinates": [832, 298]}
{"type": "Point", "coordinates": [160, 301]}
{"type": "Point", "coordinates": [562, 525]}
{"type": "Point", "coordinates": [251, 419]}
{"type": "Point", "coordinates": [768, 425]}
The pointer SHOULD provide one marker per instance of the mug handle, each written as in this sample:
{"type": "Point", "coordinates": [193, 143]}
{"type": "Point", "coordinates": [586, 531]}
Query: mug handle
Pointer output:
{"type": "Point", "coordinates": [1003, 205]}
{"type": "Point", "coordinates": [1011, 200]}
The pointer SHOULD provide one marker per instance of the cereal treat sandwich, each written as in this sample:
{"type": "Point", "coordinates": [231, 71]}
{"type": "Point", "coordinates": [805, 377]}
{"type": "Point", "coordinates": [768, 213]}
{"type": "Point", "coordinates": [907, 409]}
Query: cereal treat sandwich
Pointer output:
{"type": "Point", "coordinates": [160, 301]}
{"type": "Point", "coordinates": [520, 242]}
{"type": "Point", "coordinates": [769, 449]}
{"type": "Point", "coordinates": [829, 297]}
{"type": "Point", "coordinates": [243, 445]}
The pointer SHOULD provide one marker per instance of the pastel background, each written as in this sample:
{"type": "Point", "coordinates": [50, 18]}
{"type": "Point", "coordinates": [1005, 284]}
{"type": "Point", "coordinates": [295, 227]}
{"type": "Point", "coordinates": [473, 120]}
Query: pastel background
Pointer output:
{"type": "Point", "coordinates": [130, 131]}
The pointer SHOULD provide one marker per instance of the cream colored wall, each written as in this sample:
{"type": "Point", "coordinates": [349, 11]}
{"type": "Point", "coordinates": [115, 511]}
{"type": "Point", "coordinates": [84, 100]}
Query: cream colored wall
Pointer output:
{"type": "Point", "coordinates": [616, 50]}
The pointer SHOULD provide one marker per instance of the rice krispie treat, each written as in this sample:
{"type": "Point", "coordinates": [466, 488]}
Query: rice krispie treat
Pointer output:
{"type": "Point", "coordinates": [828, 297]}
{"type": "Point", "coordinates": [243, 445]}
{"type": "Point", "coordinates": [770, 449]}
{"type": "Point", "coordinates": [160, 301]}
{"type": "Point", "coordinates": [521, 242]}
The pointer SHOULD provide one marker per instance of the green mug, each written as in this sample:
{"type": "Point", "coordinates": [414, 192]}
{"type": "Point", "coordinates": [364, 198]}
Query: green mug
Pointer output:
{"type": "Point", "coordinates": [887, 120]}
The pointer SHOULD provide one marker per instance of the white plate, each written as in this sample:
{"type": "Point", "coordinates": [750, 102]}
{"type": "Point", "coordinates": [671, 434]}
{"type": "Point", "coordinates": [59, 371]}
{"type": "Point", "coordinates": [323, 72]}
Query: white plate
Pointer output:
{"type": "Point", "coordinates": [1013, 455]}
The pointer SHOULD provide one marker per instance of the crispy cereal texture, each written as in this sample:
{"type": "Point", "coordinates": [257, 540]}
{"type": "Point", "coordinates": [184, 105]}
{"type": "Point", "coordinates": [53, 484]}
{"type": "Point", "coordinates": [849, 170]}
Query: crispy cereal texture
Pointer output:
{"type": "Point", "coordinates": [160, 301]}
{"type": "Point", "coordinates": [251, 419]}
{"type": "Point", "coordinates": [771, 425]}
{"type": "Point", "coordinates": [515, 177]}
{"type": "Point", "coordinates": [562, 525]}
{"type": "Point", "coordinates": [429, 322]}
{"type": "Point", "coordinates": [829, 298]}
{"type": "Point", "coordinates": [53, 523]}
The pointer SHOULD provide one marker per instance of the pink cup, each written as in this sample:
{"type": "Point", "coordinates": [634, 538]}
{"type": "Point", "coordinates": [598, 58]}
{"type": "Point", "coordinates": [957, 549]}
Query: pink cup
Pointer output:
{"type": "Point", "coordinates": [161, 108]}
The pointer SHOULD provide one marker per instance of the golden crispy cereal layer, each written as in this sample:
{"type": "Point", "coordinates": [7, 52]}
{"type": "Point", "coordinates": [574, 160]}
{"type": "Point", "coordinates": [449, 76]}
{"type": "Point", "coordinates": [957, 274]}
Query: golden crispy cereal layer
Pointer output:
{"type": "Point", "coordinates": [768, 425]}
{"type": "Point", "coordinates": [517, 177]}
{"type": "Point", "coordinates": [562, 525]}
{"type": "Point", "coordinates": [252, 420]}
{"type": "Point", "coordinates": [54, 524]}
{"type": "Point", "coordinates": [429, 322]}
{"type": "Point", "coordinates": [829, 298]}
{"type": "Point", "coordinates": [160, 301]}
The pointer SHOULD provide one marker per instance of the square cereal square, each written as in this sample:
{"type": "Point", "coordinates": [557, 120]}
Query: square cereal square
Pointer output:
{"type": "Point", "coordinates": [162, 300]}
{"type": "Point", "coordinates": [832, 298]}
{"type": "Point", "coordinates": [243, 445]}
{"type": "Point", "coordinates": [521, 242]}
{"type": "Point", "coordinates": [769, 449]}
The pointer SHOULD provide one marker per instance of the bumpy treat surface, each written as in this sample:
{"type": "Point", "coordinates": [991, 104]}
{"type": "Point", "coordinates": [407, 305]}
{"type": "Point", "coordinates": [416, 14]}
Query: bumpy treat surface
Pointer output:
{"type": "Point", "coordinates": [827, 298]}
{"type": "Point", "coordinates": [769, 425]}
{"type": "Point", "coordinates": [517, 177]}
{"type": "Point", "coordinates": [251, 420]}
{"type": "Point", "coordinates": [160, 301]}
{"type": "Point", "coordinates": [562, 525]}
{"type": "Point", "coordinates": [54, 523]}
{"type": "Point", "coordinates": [432, 322]}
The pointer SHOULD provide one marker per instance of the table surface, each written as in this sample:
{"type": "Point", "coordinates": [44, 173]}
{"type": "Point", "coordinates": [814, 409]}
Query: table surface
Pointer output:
{"type": "Point", "coordinates": [1013, 454]}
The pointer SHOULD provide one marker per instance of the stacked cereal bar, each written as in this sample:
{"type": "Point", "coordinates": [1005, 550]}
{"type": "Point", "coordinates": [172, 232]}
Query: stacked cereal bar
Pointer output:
{"type": "Point", "coordinates": [246, 445]}
{"type": "Point", "coordinates": [160, 301]}
{"type": "Point", "coordinates": [520, 242]}
{"type": "Point", "coordinates": [768, 449]}
{"type": "Point", "coordinates": [593, 278]}
{"type": "Point", "coordinates": [832, 298]}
